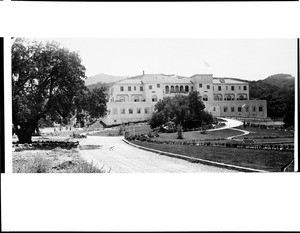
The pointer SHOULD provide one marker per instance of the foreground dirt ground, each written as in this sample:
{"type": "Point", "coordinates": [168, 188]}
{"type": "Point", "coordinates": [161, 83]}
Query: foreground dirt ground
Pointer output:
{"type": "Point", "coordinates": [115, 155]}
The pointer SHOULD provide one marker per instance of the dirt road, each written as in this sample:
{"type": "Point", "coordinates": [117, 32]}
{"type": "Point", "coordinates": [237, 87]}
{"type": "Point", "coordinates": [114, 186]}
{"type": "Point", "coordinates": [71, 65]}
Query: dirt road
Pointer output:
{"type": "Point", "coordinates": [119, 157]}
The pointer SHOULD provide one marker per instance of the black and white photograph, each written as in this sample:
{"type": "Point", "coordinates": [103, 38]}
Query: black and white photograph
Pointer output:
{"type": "Point", "coordinates": [153, 105]}
{"type": "Point", "coordinates": [169, 116]}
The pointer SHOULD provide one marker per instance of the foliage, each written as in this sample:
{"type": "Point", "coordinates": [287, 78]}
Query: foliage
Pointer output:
{"type": "Point", "coordinates": [91, 105]}
{"type": "Point", "coordinates": [187, 111]}
{"type": "Point", "coordinates": [179, 132]}
{"type": "Point", "coordinates": [278, 90]}
{"type": "Point", "coordinates": [46, 79]}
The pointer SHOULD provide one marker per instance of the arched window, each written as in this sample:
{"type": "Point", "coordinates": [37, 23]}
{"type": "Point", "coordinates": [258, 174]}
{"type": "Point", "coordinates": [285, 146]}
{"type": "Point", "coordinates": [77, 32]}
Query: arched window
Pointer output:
{"type": "Point", "coordinates": [167, 89]}
{"type": "Point", "coordinates": [181, 88]}
{"type": "Point", "coordinates": [218, 97]}
{"type": "Point", "coordinates": [130, 111]}
{"type": "Point", "coordinates": [136, 99]}
{"type": "Point", "coordinates": [138, 111]}
{"type": "Point", "coordinates": [205, 98]}
{"type": "Point", "coordinates": [146, 110]}
{"type": "Point", "coordinates": [176, 89]}
{"type": "Point", "coordinates": [241, 96]}
{"type": "Point", "coordinates": [229, 97]}
{"type": "Point", "coordinates": [122, 110]}
{"type": "Point", "coordinates": [122, 99]}
{"type": "Point", "coordinates": [186, 88]}
{"type": "Point", "coordinates": [154, 98]}
{"type": "Point", "coordinates": [172, 89]}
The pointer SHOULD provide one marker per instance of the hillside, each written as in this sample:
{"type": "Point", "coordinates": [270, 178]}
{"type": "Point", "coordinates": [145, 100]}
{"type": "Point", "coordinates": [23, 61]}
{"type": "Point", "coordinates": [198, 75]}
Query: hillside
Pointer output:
{"type": "Point", "coordinates": [103, 78]}
{"type": "Point", "coordinates": [278, 90]}
{"type": "Point", "coordinates": [281, 80]}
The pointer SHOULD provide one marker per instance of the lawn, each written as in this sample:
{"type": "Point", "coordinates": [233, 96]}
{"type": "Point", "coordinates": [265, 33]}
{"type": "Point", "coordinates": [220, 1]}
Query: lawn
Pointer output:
{"type": "Point", "coordinates": [268, 160]}
{"type": "Point", "coordinates": [258, 132]}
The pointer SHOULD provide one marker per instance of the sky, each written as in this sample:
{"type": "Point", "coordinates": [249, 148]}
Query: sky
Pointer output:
{"type": "Point", "coordinates": [249, 59]}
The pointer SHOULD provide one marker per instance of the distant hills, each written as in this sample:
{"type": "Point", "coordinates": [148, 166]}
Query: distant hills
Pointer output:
{"type": "Point", "coordinates": [103, 78]}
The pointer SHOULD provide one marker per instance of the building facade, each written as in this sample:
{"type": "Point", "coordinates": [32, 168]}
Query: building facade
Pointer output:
{"type": "Point", "coordinates": [133, 99]}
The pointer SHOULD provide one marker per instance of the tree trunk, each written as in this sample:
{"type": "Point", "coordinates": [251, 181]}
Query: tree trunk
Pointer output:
{"type": "Point", "coordinates": [25, 132]}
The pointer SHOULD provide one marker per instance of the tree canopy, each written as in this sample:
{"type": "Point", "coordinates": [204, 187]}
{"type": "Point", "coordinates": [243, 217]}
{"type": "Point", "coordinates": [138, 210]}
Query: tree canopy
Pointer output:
{"type": "Point", "coordinates": [187, 111]}
{"type": "Point", "coordinates": [47, 79]}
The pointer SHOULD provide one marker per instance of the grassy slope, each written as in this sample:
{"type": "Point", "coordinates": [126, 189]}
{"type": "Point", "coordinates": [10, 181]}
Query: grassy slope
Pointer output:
{"type": "Point", "coordinates": [258, 159]}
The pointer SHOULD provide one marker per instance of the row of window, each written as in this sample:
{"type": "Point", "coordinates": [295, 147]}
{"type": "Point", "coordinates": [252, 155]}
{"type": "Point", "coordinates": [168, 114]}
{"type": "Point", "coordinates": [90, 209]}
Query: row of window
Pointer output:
{"type": "Point", "coordinates": [232, 88]}
{"type": "Point", "coordinates": [130, 111]}
{"type": "Point", "coordinates": [239, 109]}
{"type": "Point", "coordinates": [129, 88]}
{"type": "Point", "coordinates": [218, 97]}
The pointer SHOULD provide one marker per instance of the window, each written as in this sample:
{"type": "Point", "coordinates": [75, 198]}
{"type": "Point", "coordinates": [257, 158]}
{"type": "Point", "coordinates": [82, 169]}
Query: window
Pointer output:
{"type": "Point", "coordinates": [122, 99]}
{"type": "Point", "coordinates": [232, 109]}
{"type": "Point", "coordinates": [167, 89]}
{"type": "Point", "coordinates": [247, 109]}
{"type": "Point", "coordinates": [226, 87]}
{"type": "Point", "coordinates": [158, 85]}
{"type": "Point", "coordinates": [192, 88]}
{"type": "Point", "coordinates": [205, 98]}
{"type": "Point", "coordinates": [260, 109]}
{"type": "Point", "coordinates": [129, 88]}
{"type": "Point", "coordinates": [219, 88]}
{"type": "Point", "coordinates": [208, 87]}
{"type": "Point", "coordinates": [232, 88]}
{"type": "Point", "coordinates": [136, 99]}
{"type": "Point", "coordinates": [130, 111]}
{"type": "Point", "coordinates": [141, 88]}
{"type": "Point", "coordinates": [138, 111]}
{"type": "Point", "coordinates": [214, 109]}
{"type": "Point", "coordinates": [200, 85]}
{"type": "Point", "coordinates": [115, 111]}
{"type": "Point", "coordinates": [239, 109]}
{"type": "Point", "coordinates": [121, 88]}
{"type": "Point", "coordinates": [245, 88]}
{"type": "Point", "coordinates": [134, 88]}
{"type": "Point", "coordinates": [154, 98]}
{"type": "Point", "coordinates": [225, 109]}
{"type": "Point", "coordinates": [239, 87]}
{"type": "Point", "coordinates": [176, 88]}
{"type": "Point", "coordinates": [123, 111]}
{"type": "Point", "coordinates": [172, 89]}
{"type": "Point", "coordinates": [186, 88]}
{"type": "Point", "coordinates": [253, 109]}
{"type": "Point", "coordinates": [146, 110]}
{"type": "Point", "coordinates": [181, 89]}
{"type": "Point", "coordinates": [150, 87]}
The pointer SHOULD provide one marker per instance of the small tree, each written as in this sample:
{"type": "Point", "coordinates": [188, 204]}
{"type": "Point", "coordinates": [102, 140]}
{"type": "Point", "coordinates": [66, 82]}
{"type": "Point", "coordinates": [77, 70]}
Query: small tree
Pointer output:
{"type": "Point", "coordinates": [179, 132]}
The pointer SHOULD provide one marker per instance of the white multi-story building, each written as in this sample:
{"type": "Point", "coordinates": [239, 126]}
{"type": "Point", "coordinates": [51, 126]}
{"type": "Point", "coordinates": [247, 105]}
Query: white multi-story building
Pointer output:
{"type": "Point", "coordinates": [133, 99]}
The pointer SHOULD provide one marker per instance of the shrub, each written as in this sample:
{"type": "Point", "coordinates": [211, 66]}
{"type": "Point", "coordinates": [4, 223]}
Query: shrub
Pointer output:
{"type": "Point", "coordinates": [179, 133]}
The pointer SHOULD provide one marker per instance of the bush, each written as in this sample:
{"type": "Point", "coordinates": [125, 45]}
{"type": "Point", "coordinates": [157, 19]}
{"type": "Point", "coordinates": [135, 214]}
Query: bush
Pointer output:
{"type": "Point", "coordinates": [179, 133]}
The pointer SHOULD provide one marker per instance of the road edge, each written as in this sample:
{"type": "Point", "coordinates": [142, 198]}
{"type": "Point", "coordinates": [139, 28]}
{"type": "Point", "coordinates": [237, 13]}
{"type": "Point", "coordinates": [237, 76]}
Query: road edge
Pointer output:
{"type": "Point", "coordinates": [195, 160]}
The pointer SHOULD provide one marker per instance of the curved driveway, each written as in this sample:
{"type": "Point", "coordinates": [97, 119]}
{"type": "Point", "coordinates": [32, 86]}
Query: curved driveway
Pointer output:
{"type": "Point", "coordinates": [114, 155]}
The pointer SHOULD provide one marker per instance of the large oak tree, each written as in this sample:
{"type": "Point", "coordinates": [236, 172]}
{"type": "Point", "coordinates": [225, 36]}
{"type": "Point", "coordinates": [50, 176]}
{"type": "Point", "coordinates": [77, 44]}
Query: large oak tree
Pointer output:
{"type": "Point", "coordinates": [46, 80]}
